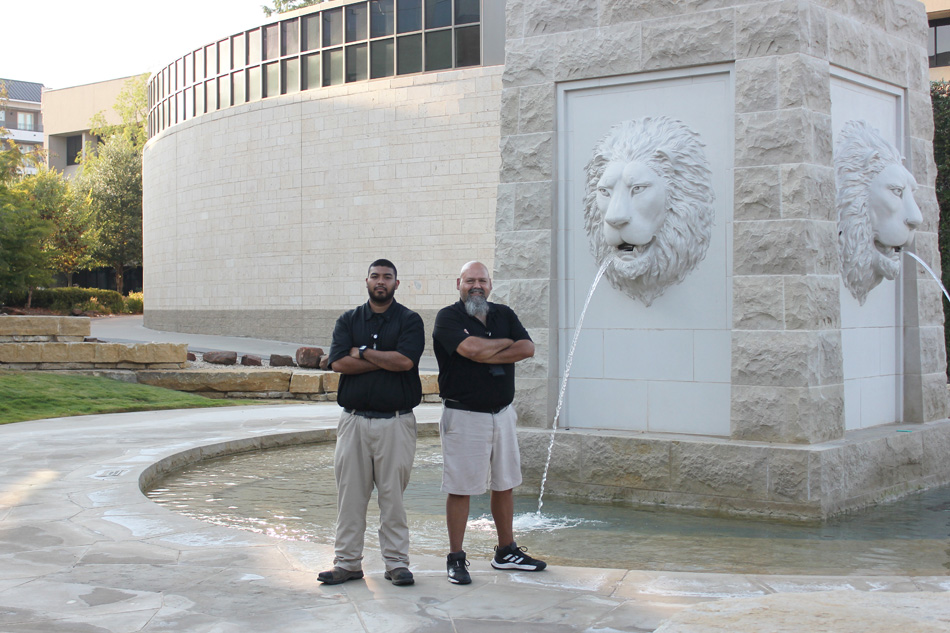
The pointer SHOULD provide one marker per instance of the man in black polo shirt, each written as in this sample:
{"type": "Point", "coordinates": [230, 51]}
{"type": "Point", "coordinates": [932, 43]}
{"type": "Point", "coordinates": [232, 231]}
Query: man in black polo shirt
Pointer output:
{"type": "Point", "coordinates": [477, 344]}
{"type": "Point", "coordinates": [376, 346]}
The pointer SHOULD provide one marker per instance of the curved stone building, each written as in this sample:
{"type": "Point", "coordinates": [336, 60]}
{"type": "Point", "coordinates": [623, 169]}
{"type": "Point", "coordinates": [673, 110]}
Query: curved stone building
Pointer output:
{"type": "Point", "coordinates": [285, 158]}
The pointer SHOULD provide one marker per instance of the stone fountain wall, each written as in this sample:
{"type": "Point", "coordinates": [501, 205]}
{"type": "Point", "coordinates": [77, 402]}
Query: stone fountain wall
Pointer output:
{"type": "Point", "coordinates": [778, 412]}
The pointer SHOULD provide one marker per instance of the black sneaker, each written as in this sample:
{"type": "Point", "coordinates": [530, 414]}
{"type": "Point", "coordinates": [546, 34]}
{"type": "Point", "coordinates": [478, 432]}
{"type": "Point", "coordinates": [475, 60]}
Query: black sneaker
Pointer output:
{"type": "Point", "coordinates": [514, 557]}
{"type": "Point", "coordinates": [456, 566]}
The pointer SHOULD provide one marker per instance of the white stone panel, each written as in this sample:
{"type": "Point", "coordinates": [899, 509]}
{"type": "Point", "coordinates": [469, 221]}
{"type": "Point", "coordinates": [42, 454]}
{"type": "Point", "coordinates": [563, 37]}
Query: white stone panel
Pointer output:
{"type": "Point", "coordinates": [684, 336]}
{"type": "Point", "coordinates": [606, 404]}
{"type": "Point", "coordinates": [870, 333]}
{"type": "Point", "coordinates": [689, 407]}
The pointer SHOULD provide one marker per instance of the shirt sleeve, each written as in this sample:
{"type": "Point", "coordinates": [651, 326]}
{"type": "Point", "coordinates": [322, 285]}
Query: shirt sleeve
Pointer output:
{"type": "Point", "coordinates": [342, 338]}
{"type": "Point", "coordinates": [449, 330]}
{"type": "Point", "coordinates": [412, 337]}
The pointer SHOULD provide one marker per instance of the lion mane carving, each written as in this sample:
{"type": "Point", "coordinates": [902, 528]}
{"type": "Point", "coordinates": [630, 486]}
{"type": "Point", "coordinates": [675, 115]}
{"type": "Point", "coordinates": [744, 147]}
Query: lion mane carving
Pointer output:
{"type": "Point", "coordinates": [653, 244]}
{"type": "Point", "coordinates": [872, 227]}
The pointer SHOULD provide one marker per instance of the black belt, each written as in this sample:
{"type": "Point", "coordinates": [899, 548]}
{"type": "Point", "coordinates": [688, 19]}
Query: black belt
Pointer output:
{"type": "Point", "coordinates": [385, 415]}
{"type": "Point", "coordinates": [455, 404]}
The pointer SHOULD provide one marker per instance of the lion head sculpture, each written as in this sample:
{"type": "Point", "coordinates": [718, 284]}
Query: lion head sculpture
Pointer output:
{"type": "Point", "coordinates": [649, 205]}
{"type": "Point", "coordinates": [877, 213]}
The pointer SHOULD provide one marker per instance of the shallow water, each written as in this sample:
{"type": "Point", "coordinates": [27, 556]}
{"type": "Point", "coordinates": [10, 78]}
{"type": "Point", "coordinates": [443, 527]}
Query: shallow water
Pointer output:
{"type": "Point", "coordinates": [290, 493]}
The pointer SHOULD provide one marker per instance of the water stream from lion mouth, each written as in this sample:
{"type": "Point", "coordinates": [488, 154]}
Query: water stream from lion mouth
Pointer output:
{"type": "Point", "coordinates": [290, 493]}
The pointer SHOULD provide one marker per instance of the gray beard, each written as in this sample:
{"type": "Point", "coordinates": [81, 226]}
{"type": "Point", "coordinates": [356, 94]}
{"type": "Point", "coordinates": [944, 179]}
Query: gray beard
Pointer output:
{"type": "Point", "coordinates": [476, 306]}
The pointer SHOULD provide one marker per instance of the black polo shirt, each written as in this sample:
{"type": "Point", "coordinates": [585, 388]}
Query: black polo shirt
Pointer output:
{"type": "Point", "coordinates": [397, 329]}
{"type": "Point", "coordinates": [463, 379]}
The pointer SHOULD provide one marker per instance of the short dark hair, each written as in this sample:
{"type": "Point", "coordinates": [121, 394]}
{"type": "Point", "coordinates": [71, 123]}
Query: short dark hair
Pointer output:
{"type": "Point", "coordinates": [385, 263]}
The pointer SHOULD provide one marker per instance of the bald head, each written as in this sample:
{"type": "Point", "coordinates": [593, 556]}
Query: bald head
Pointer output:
{"type": "Point", "coordinates": [474, 280]}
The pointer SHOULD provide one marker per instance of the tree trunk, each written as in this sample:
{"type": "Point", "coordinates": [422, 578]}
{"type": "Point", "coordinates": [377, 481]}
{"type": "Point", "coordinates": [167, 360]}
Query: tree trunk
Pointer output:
{"type": "Point", "coordinates": [118, 279]}
{"type": "Point", "coordinates": [29, 298]}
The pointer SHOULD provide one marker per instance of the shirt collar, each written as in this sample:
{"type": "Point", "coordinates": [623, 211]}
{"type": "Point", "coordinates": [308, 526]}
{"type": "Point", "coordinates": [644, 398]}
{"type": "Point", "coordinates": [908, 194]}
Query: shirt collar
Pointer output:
{"type": "Point", "coordinates": [369, 314]}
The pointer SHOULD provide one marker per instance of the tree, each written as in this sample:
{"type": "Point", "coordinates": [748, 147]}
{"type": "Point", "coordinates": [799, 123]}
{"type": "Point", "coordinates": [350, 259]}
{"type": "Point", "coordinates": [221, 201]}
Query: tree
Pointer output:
{"type": "Point", "coordinates": [283, 6]}
{"type": "Point", "coordinates": [110, 189]}
{"type": "Point", "coordinates": [132, 107]}
{"type": "Point", "coordinates": [24, 264]}
{"type": "Point", "coordinates": [67, 244]}
{"type": "Point", "coordinates": [940, 100]}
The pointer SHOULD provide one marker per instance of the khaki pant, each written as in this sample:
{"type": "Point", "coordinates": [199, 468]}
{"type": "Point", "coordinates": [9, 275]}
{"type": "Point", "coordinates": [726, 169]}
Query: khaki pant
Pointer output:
{"type": "Point", "coordinates": [373, 451]}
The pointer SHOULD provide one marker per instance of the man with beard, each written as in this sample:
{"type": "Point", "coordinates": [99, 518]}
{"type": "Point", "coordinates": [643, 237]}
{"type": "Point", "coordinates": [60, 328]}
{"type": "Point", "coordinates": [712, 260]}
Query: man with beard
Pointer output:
{"type": "Point", "coordinates": [376, 346]}
{"type": "Point", "coordinates": [477, 344]}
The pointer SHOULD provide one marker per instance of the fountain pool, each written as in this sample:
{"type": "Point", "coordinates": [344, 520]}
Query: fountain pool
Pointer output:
{"type": "Point", "coordinates": [290, 493]}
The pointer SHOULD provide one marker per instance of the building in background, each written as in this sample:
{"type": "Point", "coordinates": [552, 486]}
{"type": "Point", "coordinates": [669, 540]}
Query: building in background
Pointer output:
{"type": "Point", "coordinates": [67, 113]}
{"type": "Point", "coordinates": [21, 114]}
{"type": "Point", "coordinates": [938, 42]}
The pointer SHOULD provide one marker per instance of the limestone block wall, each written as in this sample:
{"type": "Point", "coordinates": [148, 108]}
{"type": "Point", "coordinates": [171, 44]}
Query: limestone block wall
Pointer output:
{"type": "Point", "coordinates": [787, 383]}
{"type": "Point", "coordinates": [260, 220]}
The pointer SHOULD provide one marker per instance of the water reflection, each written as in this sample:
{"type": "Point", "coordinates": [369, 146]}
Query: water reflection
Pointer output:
{"type": "Point", "coordinates": [290, 493]}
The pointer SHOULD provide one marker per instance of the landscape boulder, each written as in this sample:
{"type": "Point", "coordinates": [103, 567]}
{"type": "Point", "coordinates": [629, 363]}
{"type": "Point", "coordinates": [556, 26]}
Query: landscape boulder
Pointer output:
{"type": "Point", "coordinates": [279, 360]}
{"type": "Point", "coordinates": [220, 358]}
{"type": "Point", "coordinates": [309, 357]}
{"type": "Point", "coordinates": [251, 360]}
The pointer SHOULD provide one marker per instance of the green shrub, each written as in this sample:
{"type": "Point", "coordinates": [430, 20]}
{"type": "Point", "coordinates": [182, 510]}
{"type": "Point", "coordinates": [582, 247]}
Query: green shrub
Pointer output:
{"type": "Point", "coordinates": [135, 303]}
{"type": "Point", "coordinates": [65, 299]}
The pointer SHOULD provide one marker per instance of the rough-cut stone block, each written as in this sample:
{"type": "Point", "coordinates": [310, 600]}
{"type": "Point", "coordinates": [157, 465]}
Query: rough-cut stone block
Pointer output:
{"type": "Point", "coordinates": [279, 360]}
{"type": "Point", "coordinates": [758, 303]}
{"type": "Point", "coordinates": [784, 136]}
{"type": "Point", "coordinates": [719, 469]}
{"type": "Point", "coordinates": [531, 403]}
{"type": "Point", "coordinates": [624, 462]}
{"type": "Point", "coordinates": [529, 298]}
{"type": "Point", "coordinates": [534, 206]}
{"type": "Point", "coordinates": [611, 50]}
{"type": "Point", "coordinates": [544, 18]}
{"type": "Point", "coordinates": [44, 325]}
{"type": "Point", "coordinates": [689, 39]}
{"type": "Point", "coordinates": [812, 302]}
{"type": "Point", "coordinates": [906, 19]}
{"type": "Point", "coordinates": [848, 43]}
{"type": "Point", "coordinates": [222, 380]}
{"type": "Point", "coordinates": [776, 359]}
{"type": "Point", "coordinates": [251, 360]}
{"type": "Point", "coordinates": [785, 247]}
{"type": "Point", "coordinates": [505, 207]}
{"type": "Point", "coordinates": [309, 357]}
{"type": "Point", "coordinates": [152, 352]}
{"type": "Point", "coordinates": [306, 383]}
{"type": "Point", "coordinates": [806, 83]}
{"type": "Point", "coordinates": [790, 473]}
{"type": "Point", "coordinates": [774, 28]}
{"type": "Point", "coordinates": [523, 255]}
{"type": "Point", "coordinates": [758, 193]}
{"type": "Point", "coordinates": [331, 382]}
{"type": "Point", "coordinates": [808, 191]}
{"type": "Point", "coordinates": [430, 382]}
{"type": "Point", "coordinates": [934, 388]}
{"type": "Point", "coordinates": [527, 157]}
{"type": "Point", "coordinates": [757, 84]}
{"type": "Point", "coordinates": [220, 358]}
{"type": "Point", "coordinates": [529, 62]}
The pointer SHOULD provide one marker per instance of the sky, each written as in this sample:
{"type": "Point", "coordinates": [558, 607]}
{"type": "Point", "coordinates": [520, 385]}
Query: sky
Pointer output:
{"type": "Point", "coordinates": [63, 43]}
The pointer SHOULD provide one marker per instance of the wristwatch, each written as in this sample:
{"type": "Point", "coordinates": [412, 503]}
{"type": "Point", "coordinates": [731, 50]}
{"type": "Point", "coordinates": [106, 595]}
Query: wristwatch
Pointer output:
{"type": "Point", "coordinates": [362, 349]}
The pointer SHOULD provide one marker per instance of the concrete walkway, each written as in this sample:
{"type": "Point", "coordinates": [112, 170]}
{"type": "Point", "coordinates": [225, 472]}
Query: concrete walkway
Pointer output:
{"type": "Point", "coordinates": [82, 550]}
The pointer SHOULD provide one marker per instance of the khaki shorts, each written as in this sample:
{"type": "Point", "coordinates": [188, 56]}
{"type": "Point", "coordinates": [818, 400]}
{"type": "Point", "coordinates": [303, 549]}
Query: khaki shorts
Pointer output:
{"type": "Point", "coordinates": [479, 451]}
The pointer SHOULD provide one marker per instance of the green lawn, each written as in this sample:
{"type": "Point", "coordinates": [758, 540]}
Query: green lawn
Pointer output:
{"type": "Point", "coordinates": [35, 395]}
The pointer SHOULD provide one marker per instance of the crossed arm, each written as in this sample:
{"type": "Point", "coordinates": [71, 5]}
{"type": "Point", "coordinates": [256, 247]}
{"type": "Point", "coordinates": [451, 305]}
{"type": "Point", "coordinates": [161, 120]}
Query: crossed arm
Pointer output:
{"type": "Point", "coordinates": [372, 360]}
{"type": "Point", "coordinates": [495, 351]}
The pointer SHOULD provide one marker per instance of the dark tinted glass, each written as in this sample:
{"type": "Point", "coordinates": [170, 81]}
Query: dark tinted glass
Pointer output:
{"type": "Point", "coordinates": [356, 63]}
{"type": "Point", "coordinates": [291, 75]}
{"type": "Point", "coordinates": [382, 18]}
{"type": "Point", "coordinates": [290, 32]}
{"type": "Point", "coordinates": [408, 15]}
{"type": "Point", "coordinates": [271, 42]}
{"type": "Point", "coordinates": [310, 31]}
{"type": "Point", "coordinates": [311, 71]}
{"type": "Point", "coordinates": [466, 11]}
{"type": "Point", "coordinates": [438, 13]}
{"type": "Point", "coordinates": [408, 54]}
{"type": "Point", "coordinates": [438, 50]}
{"type": "Point", "coordinates": [381, 58]}
{"type": "Point", "coordinates": [333, 67]}
{"type": "Point", "coordinates": [356, 27]}
{"type": "Point", "coordinates": [467, 45]}
{"type": "Point", "coordinates": [332, 27]}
